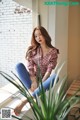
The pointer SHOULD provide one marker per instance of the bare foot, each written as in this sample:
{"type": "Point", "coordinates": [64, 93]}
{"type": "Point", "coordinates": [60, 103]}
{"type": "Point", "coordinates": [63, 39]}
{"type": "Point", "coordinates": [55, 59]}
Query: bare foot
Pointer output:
{"type": "Point", "coordinates": [18, 109]}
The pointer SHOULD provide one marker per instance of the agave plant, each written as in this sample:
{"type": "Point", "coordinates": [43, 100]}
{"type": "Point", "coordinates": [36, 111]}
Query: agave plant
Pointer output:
{"type": "Point", "coordinates": [50, 105]}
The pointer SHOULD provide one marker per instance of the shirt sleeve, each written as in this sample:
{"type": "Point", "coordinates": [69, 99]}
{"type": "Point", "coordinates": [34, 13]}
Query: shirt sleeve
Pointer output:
{"type": "Point", "coordinates": [31, 66]}
{"type": "Point", "coordinates": [53, 61]}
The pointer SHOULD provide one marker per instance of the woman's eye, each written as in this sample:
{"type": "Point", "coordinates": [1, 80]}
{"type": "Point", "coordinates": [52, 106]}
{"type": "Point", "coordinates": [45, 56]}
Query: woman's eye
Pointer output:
{"type": "Point", "coordinates": [38, 35]}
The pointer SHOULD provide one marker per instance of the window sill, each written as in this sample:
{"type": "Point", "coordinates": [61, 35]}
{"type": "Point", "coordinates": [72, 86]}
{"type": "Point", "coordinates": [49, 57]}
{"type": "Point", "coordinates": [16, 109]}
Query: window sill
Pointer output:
{"type": "Point", "coordinates": [8, 100]}
{"type": "Point", "coordinates": [6, 93]}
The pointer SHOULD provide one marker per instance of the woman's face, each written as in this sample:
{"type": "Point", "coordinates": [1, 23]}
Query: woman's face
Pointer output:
{"type": "Point", "coordinates": [39, 37]}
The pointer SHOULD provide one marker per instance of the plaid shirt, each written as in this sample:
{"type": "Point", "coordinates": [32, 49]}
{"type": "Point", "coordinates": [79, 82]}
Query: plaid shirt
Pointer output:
{"type": "Point", "coordinates": [46, 63]}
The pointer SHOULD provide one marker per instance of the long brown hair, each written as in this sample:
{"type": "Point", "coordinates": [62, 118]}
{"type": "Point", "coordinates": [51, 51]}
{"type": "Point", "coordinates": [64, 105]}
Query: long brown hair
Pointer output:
{"type": "Point", "coordinates": [35, 44]}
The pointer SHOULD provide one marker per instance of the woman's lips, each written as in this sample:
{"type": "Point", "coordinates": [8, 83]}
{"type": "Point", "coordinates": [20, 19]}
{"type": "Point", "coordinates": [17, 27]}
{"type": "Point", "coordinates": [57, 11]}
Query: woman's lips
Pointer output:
{"type": "Point", "coordinates": [40, 40]}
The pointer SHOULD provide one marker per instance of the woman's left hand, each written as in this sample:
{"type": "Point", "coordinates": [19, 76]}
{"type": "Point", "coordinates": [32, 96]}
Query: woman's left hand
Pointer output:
{"type": "Point", "coordinates": [34, 86]}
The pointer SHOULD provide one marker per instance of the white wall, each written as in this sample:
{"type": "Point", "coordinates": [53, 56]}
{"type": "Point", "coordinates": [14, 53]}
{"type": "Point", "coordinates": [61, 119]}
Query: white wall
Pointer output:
{"type": "Point", "coordinates": [61, 34]}
{"type": "Point", "coordinates": [47, 14]}
{"type": "Point", "coordinates": [55, 20]}
{"type": "Point", "coordinates": [15, 35]}
{"type": "Point", "coordinates": [27, 3]}
{"type": "Point", "coordinates": [74, 44]}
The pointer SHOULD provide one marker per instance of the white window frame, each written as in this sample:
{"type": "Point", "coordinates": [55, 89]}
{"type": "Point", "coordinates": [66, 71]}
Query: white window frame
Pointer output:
{"type": "Point", "coordinates": [5, 93]}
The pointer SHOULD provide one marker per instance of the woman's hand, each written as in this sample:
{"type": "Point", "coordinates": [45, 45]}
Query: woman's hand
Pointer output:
{"type": "Point", "coordinates": [34, 86]}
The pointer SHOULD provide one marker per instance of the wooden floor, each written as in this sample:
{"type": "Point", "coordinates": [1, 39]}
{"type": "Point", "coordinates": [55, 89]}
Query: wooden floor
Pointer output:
{"type": "Point", "coordinates": [74, 114]}
{"type": "Point", "coordinates": [74, 87]}
{"type": "Point", "coordinates": [75, 111]}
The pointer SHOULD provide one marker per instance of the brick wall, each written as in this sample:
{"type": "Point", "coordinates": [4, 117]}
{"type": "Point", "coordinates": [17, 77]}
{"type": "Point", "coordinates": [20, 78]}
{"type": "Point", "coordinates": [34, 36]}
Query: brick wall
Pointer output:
{"type": "Point", "coordinates": [15, 34]}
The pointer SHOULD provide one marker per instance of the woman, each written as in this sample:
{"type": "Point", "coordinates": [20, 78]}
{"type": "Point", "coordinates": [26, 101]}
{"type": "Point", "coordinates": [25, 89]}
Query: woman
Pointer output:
{"type": "Point", "coordinates": [42, 53]}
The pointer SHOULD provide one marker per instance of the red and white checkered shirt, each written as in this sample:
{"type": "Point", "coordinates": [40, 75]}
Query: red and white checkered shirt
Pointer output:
{"type": "Point", "coordinates": [46, 63]}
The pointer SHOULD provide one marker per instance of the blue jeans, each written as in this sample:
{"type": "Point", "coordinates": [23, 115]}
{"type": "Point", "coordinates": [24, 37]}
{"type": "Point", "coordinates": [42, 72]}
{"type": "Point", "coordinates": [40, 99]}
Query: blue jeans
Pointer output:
{"type": "Point", "coordinates": [25, 79]}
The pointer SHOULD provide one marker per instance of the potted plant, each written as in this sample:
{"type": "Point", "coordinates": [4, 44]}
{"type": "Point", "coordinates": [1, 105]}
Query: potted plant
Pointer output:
{"type": "Point", "coordinates": [51, 105]}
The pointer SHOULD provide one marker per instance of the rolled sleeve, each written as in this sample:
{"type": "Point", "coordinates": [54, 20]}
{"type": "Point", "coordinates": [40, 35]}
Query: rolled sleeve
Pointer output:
{"type": "Point", "coordinates": [31, 65]}
{"type": "Point", "coordinates": [52, 62]}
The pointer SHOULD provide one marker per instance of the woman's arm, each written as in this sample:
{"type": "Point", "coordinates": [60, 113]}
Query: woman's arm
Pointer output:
{"type": "Point", "coordinates": [33, 78]}
{"type": "Point", "coordinates": [34, 84]}
{"type": "Point", "coordinates": [47, 74]}
{"type": "Point", "coordinates": [52, 64]}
